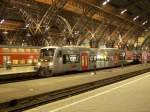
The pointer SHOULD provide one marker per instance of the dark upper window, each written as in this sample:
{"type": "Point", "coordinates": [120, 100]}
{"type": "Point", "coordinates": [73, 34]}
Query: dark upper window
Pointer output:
{"type": "Point", "coordinates": [70, 58]}
{"type": "Point", "coordinates": [47, 52]}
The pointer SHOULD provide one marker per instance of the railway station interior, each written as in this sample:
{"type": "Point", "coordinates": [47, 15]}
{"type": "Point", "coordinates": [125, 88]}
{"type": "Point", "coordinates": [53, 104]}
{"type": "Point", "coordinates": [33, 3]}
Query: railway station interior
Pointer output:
{"type": "Point", "coordinates": [74, 55]}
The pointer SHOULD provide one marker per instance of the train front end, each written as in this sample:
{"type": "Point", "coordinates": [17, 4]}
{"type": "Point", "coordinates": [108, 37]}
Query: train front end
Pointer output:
{"type": "Point", "coordinates": [45, 64]}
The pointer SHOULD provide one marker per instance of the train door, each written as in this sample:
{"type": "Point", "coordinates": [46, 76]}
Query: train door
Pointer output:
{"type": "Point", "coordinates": [84, 61]}
{"type": "Point", "coordinates": [7, 61]}
{"type": "Point", "coordinates": [59, 62]}
{"type": "Point", "coordinates": [1, 56]}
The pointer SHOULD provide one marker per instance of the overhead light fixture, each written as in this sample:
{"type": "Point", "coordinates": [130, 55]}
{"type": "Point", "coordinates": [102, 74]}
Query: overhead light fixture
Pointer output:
{"type": "Point", "coordinates": [47, 28]}
{"type": "Point", "coordinates": [28, 34]}
{"type": "Point", "coordinates": [144, 22]}
{"type": "Point", "coordinates": [5, 32]}
{"type": "Point", "coordinates": [122, 12]}
{"type": "Point", "coordinates": [2, 21]}
{"type": "Point", "coordinates": [146, 30]}
{"type": "Point", "coordinates": [27, 25]}
{"type": "Point", "coordinates": [76, 32]}
{"type": "Point", "coordinates": [105, 2]}
{"type": "Point", "coordinates": [135, 18]}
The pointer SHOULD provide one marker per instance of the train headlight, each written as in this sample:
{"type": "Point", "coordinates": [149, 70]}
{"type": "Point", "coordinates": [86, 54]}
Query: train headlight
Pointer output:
{"type": "Point", "coordinates": [50, 64]}
{"type": "Point", "coordinates": [38, 64]}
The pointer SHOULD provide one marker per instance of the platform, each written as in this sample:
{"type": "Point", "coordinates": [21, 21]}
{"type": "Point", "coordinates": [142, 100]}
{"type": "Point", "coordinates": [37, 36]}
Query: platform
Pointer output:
{"type": "Point", "coordinates": [25, 89]}
{"type": "Point", "coordinates": [15, 71]}
{"type": "Point", "coordinates": [131, 95]}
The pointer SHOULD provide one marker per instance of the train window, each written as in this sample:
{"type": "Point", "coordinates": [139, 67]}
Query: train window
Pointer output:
{"type": "Point", "coordinates": [21, 50]}
{"type": "Point", "coordinates": [29, 61]}
{"type": "Point", "coordinates": [34, 50]}
{"type": "Point", "coordinates": [38, 50]}
{"type": "Point", "coordinates": [92, 58]}
{"type": "Point", "coordinates": [70, 58]}
{"type": "Point", "coordinates": [21, 61]}
{"type": "Point", "coordinates": [6, 50]}
{"type": "Point", "coordinates": [13, 49]}
{"type": "Point", "coordinates": [35, 60]}
{"type": "Point", "coordinates": [47, 52]}
{"type": "Point", "coordinates": [65, 59]}
{"type": "Point", "coordinates": [28, 50]}
{"type": "Point", "coordinates": [95, 58]}
{"type": "Point", "coordinates": [100, 57]}
{"type": "Point", "coordinates": [73, 58]}
{"type": "Point", "coordinates": [15, 62]}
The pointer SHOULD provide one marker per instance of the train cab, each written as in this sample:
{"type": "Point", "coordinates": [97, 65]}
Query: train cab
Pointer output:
{"type": "Point", "coordinates": [56, 60]}
{"type": "Point", "coordinates": [45, 63]}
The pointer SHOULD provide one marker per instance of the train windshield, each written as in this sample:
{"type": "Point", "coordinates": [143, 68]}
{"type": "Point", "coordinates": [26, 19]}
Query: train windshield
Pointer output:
{"type": "Point", "coordinates": [45, 53]}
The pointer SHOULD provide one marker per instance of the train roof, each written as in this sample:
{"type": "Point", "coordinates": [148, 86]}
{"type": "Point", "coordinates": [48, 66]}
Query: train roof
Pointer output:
{"type": "Point", "coordinates": [79, 47]}
{"type": "Point", "coordinates": [32, 47]}
{"type": "Point", "coordinates": [47, 47]}
{"type": "Point", "coordinates": [72, 46]}
{"type": "Point", "coordinates": [109, 48]}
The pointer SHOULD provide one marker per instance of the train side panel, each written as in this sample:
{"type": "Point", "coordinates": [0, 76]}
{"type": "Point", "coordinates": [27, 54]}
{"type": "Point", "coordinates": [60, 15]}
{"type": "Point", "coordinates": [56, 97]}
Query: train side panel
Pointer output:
{"type": "Point", "coordinates": [1, 57]}
{"type": "Point", "coordinates": [66, 60]}
{"type": "Point", "coordinates": [18, 56]}
{"type": "Point", "coordinates": [107, 58]}
{"type": "Point", "coordinates": [74, 59]}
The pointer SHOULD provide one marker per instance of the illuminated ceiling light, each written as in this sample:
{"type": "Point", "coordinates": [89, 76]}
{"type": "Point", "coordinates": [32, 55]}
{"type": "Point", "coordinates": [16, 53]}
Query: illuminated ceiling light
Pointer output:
{"type": "Point", "coordinates": [28, 5]}
{"type": "Point", "coordinates": [27, 25]}
{"type": "Point", "coordinates": [146, 30]}
{"type": "Point", "coordinates": [28, 34]}
{"type": "Point", "coordinates": [76, 32]}
{"type": "Point", "coordinates": [5, 32]}
{"type": "Point", "coordinates": [135, 18]}
{"type": "Point", "coordinates": [47, 28]}
{"type": "Point", "coordinates": [122, 12]}
{"type": "Point", "coordinates": [104, 3]}
{"type": "Point", "coordinates": [2, 21]}
{"type": "Point", "coordinates": [144, 22]}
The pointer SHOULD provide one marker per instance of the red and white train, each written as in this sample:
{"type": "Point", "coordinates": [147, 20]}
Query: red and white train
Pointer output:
{"type": "Point", "coordinates": [18, 56]}
{"type": "Point", "coordinates": [56, 60]}
{"type": "Point", "coordinates": [145, 56]}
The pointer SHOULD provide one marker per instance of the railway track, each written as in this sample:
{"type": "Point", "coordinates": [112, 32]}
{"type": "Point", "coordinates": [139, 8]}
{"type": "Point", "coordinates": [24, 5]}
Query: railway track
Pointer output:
{"type": "Point", "coordinates": [18, 105]}
{"type": "Point", "coordinates": [18, 77]}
